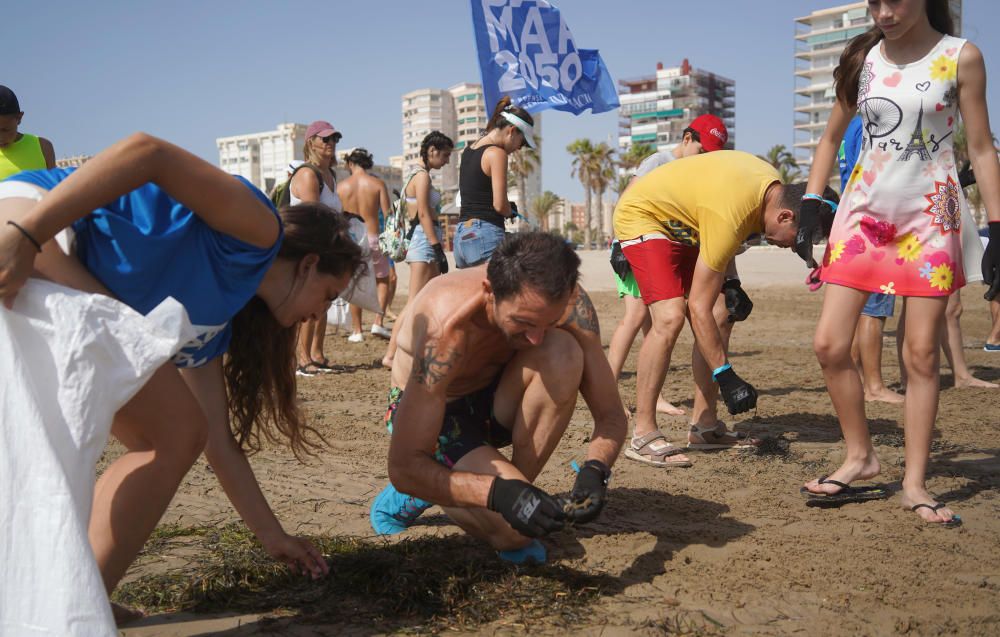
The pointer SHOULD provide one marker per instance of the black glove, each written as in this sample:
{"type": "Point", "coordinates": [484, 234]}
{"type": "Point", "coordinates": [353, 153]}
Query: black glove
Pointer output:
{"type": "Point", "coordinates": [809, 223]}
{"type": "Point", "coordinates": [965, 176]}
{"type": "Point", "coordinates": [739, 395]}
{"type": "Point", "coordinates": [619, 263]}
{"type": "Point", "coordinates": [738, 303]}
{"type": "Point", "coordinates": [528, 509]}
{"type": "Point", "coordinates": [587, 498]}
{"type": "Point", "coordinates": [441, 258]}
{"type": "Point", "coordinates": [991, 262]}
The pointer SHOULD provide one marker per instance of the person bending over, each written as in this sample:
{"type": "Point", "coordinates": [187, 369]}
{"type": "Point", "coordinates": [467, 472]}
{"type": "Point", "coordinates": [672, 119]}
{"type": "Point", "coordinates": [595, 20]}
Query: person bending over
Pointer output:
{"type": "Point", "coordinates": [490, 357]}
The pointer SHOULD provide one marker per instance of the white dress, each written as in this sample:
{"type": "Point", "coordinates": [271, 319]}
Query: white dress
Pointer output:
{"type": "Point", "coordinates": [899, 227]}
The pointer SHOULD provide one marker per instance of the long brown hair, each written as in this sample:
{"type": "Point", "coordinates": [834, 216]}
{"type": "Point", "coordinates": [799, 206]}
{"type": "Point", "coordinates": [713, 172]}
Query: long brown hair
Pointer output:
{"type": "Point", "coordinates": [504, 106]}
{"type": "Point", "coordinates": [260, 363]}
{"type": "Point", "coordinates": [847, 75]}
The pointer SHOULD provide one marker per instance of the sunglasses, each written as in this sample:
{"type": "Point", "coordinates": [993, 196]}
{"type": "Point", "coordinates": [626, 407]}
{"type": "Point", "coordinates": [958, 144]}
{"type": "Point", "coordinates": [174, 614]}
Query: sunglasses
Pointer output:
{"type": "Point", "coordinates": [331, 139]}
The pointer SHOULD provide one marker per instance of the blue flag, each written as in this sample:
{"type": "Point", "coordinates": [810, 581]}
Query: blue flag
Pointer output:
{"type": "Point", "coordinates": [526, 51]}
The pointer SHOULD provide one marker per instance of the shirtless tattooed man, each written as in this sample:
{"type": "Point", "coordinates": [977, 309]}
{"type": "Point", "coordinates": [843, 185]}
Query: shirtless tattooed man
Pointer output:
{"type": "Point", "coordinates": [489, 357]}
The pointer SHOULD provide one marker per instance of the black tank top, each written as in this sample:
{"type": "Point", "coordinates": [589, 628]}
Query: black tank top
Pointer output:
{"type": "Point", "coordinates": [477, 188]}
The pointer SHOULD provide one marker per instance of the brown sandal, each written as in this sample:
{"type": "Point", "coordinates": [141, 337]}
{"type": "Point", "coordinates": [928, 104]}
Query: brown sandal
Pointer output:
{"type": "Point", "coordinates": [719, 437]}
{"type": "Point", "coordinates": [641, 449]}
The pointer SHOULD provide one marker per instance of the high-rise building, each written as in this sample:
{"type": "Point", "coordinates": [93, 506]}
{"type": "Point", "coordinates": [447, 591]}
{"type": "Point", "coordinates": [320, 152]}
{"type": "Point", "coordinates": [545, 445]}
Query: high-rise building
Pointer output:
{"type": "Point", "coordinates": [471, 113]}
{"type": "Point", "coordinates": [820, 38]}
{"type": "Point", "coordinates": [655, 109]}
{"type": "Point", "coordinates": [461, 113]}
{"type": "Point", "coordinates": [262, 158]}
{"type": "Point", "coordinates": [426, 110]}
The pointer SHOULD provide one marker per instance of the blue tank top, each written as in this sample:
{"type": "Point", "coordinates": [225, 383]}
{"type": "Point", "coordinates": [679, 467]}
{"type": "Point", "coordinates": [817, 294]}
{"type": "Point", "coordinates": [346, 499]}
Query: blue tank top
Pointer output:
{"type": "Point", "coordinates": [146, 246]}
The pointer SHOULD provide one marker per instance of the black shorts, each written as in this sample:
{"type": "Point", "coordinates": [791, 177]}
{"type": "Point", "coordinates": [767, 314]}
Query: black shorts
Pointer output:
{"type": "Point", "coordinates": [468, 424]}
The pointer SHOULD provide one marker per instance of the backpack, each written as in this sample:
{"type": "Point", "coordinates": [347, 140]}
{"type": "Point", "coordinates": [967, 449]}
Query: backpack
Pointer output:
{"type": "Point", "coordinates": [394, 240]}
{"type": "Point", "coordinates": [281, 196]}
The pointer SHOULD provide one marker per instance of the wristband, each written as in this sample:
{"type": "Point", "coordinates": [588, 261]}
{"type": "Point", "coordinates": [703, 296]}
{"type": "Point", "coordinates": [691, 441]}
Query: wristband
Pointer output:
{"type": "Point", "coordinates": [832, 204]}
{"type": "Point", "coordinates": [27, 235]}
{"type": "Point", "coordinates": [719, 370]}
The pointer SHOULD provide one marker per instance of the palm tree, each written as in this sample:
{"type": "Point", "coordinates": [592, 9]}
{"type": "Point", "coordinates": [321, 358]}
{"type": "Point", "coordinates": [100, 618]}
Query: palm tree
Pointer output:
{"type": "Point", "coordinates": [582, 151]}
{"type": "Point", "coordinates": [631, 158]}
{"type": "Point", "coordinates": [620, 183]}
{"type": "Point", "coordinates": [520, 166]}
{"type": "Point", "coordinates": [601, 176]}
{"type": "Point", "coordinates": [784, 162]}
{"type": "Point", "coordinates": [543, 206]}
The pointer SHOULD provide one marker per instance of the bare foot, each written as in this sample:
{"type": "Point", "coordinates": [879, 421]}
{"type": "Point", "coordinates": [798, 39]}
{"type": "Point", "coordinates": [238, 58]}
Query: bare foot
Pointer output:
{"type": "Point", "coordinates": [847, 473]}
{"type": "Point", "coordinates": [387, 362]}
{"type": "Point", "coordinates": [972, 381]}
{"type": "Point", "coordinates": [665, 407]}
{"type": "Point", "coordinates": [934, 513]}
{"type": "Point", "coordinates": [883, 395]}
{"type": "Point", "coordinates": [390, 315]}
{"type": "Point", "coordinates": [124, 615]}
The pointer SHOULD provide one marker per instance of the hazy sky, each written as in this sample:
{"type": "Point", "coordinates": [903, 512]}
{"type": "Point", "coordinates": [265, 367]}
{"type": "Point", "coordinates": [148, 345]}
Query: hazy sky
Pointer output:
{"type": "Point", "coordinates": [88, 73]}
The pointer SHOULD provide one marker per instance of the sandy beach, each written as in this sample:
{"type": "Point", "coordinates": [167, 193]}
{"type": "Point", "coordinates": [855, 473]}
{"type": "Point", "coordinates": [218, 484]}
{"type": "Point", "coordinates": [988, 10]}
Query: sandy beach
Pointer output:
{"type": "Point", "coordinates": [724, 547]}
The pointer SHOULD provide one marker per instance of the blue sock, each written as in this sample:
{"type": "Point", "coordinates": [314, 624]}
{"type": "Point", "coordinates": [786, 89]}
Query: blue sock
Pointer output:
{"type": "Point", "coordinates": [393, 512]}
{"type": "Point", "coordinates": [533, 553]}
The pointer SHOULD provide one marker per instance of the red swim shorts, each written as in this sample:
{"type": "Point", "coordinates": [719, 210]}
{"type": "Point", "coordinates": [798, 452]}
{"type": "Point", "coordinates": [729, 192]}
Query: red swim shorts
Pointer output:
{"type": "Point", "coordinates": [662, 268]}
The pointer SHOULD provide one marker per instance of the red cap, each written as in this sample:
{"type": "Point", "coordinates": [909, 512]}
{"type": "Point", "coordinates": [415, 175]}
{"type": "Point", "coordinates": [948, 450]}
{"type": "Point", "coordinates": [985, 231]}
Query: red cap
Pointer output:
{"type": "Point", "coordinates": [712, 132]}
{"type": "Point", "coordinates": [321, 128]}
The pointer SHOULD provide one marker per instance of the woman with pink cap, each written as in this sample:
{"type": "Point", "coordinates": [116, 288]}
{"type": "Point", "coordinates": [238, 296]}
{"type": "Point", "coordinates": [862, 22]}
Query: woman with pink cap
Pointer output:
{"type": "Point", "coordinates": [317, 183]}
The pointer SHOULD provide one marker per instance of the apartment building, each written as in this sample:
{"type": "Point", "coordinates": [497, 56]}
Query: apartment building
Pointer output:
{"type": "Point", "coordinates": [426, 110]}
{"type": "Point", "coordinates": [655, 109]}
{"type": "Point", "coordinates": [262, 158]}
{"type": "Point", "coordinates": [74, 161]}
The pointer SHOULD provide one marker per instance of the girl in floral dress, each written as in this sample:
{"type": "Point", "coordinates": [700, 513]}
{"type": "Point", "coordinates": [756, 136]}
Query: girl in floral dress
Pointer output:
{"type": "Point", "coordinates": [899, 228]}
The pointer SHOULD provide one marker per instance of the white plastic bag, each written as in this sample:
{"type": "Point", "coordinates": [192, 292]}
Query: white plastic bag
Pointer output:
{"type": "Point", "coordinates": [361, 291]}
{"type": "Point", "coordinates": [69, 360]}
{"type": "Point", "coordinates": [339, 315]}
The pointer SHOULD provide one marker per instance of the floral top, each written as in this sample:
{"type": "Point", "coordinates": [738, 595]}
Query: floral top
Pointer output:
{"type": "Point", "coordinates": [899, 224]}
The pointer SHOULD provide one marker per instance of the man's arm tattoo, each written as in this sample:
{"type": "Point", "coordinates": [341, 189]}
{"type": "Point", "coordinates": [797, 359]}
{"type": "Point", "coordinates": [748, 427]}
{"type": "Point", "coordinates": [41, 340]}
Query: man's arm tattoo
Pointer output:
{"type": "Point", "coordinates": [434, 365]}
{"type": "Point", "coordinates": [584, 314]}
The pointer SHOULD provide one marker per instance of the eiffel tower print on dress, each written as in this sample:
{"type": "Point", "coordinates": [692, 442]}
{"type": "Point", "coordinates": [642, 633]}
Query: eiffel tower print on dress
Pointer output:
{"type": "Point", "coordinates": [917, 144]}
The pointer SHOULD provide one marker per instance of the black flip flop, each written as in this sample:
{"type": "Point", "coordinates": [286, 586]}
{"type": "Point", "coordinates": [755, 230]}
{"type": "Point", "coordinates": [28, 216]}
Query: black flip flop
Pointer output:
{"type": "Point", "coordinates": [846, 495]}
{"type": "Point", "coordinates": [953, 523]}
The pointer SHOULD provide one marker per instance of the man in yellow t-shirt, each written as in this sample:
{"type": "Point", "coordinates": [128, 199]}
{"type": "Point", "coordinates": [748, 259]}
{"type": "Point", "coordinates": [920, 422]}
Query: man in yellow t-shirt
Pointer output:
{"type": "Point", "coordinates": [679, 227]}
{"type": "Point", "coordinates": [20, 151]}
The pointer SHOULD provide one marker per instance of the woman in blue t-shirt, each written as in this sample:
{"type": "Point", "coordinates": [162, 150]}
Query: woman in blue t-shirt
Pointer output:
{"type": "Point", "coordinates": [179, 227]}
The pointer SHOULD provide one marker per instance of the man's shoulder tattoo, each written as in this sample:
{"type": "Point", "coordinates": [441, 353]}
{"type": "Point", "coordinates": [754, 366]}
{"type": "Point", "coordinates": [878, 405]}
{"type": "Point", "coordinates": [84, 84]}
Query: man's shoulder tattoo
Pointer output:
{"type": "Point", "coordinates": [584, 315]}
{"type": "Point", "coordinates": [434, 363]}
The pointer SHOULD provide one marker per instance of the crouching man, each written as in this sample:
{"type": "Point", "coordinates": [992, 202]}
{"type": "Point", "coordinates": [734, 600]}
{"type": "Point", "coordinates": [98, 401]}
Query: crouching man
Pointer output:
{"type": "Point", "coordinates": [491, 357]}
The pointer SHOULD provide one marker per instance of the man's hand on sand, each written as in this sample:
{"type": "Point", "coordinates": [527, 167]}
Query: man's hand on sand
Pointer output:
{"type": "Point", "coordinates": [528, 509]}
{"type": "Point", "coordinates": [589, 492]}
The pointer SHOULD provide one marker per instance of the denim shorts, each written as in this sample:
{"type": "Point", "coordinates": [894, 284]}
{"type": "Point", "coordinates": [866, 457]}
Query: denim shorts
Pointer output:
{"type": "Point", "coordinates": [420, 250]}
{"type": "Point", "coordinates": [880, 305]}
{"type": "Point", "coordinates": [475, 241]}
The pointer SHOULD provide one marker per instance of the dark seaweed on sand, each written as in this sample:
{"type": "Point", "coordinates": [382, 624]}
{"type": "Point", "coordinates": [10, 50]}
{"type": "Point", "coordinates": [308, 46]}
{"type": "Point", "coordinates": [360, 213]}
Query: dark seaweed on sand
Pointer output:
{"type": "Point", "coordinates": [424, 584]}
